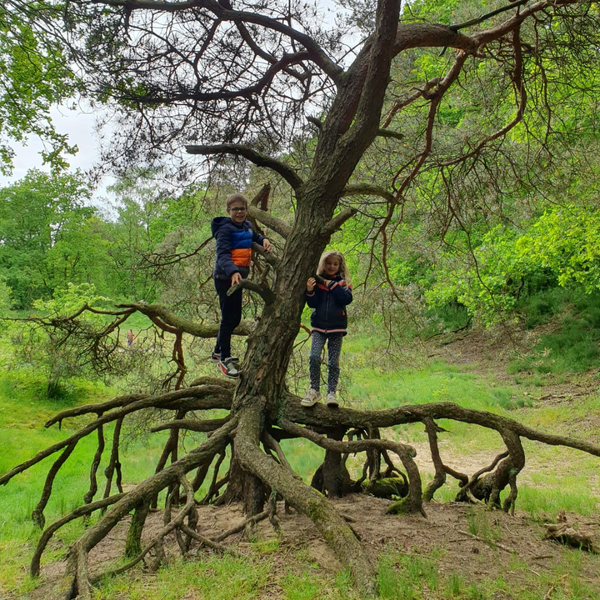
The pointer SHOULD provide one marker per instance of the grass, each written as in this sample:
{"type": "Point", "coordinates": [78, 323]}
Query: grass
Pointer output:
{"type": "Point", "coordinates": [573, 343]}
{"type": "Point", "coordinates": [407, 577]}
{"type": "Point", "coordinates": [411, 576]}
{"type": "Point", "coordinates": [23, 412]}
{"type": "Point", "coordinates": [482, 525]}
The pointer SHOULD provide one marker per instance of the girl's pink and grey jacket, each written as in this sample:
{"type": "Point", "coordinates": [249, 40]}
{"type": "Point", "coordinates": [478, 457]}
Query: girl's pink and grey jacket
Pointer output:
{"type": "Point", "coordinates": [329, 306]}
{"type": "Point", "coordinates": [234, 247]}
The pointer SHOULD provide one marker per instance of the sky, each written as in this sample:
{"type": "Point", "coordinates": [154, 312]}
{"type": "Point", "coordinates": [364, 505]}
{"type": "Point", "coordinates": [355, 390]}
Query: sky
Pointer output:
{"type": "Point", "coordinates": [78, 124]}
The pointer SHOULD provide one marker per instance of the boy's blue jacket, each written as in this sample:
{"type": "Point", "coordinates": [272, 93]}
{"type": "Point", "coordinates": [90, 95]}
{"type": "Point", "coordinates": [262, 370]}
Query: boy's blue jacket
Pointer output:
{"type": "Point", "coordinates": [329, 306]}
{"type": "Point", "coordinates": [234, 247]}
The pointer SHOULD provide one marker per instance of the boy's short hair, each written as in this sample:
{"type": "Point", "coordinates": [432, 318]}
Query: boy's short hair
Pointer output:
{"type": "Point", "coordinates": [236, 198]}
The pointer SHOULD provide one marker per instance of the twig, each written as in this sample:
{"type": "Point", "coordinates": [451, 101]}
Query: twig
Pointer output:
{"type": "Point", "coordinates": [208, 542]}
{"type": "Point", "coordinates": [491, 544]}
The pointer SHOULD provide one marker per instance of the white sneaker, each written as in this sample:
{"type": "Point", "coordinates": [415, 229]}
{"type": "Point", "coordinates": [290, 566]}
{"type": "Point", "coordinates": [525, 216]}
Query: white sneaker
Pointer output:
{"type": "Point", "coordinates": [229, 367]}
{"type": "Point", "coordinates": [332, 401]}
{"type": "Point", "coordinates": [311, 398]}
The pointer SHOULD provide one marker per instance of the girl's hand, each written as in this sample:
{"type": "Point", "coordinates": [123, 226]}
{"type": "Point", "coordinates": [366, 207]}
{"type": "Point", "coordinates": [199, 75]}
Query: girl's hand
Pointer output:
{"type": "Point", "coordinates": [310, 284]}
{"type": "Point", "coordinates": [267, 245]}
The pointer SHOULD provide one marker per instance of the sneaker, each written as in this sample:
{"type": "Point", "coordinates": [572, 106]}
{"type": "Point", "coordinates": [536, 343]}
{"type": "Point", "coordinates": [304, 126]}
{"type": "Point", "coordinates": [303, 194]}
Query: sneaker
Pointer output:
{"type": "Point", "coordinates": [311, 398]}
{"type": "Point", "coordinates": [215, 357]}
{"type": "Point", "coordinates": [332, 400]}
{"type": "Point", "coordinates": [229, 367]}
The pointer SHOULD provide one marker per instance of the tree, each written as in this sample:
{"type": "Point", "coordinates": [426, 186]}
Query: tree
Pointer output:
{"type": "Point", "coordinates": [34, 76]}
{"type": "Point", "coordinates": [42, 237]}
{"type": "Point", "coordinates": [244, 80]}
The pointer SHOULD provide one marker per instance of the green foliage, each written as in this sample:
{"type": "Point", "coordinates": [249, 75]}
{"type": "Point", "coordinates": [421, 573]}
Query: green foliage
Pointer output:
{"type": "Point", "coordinates": [35, 75]}
{"type": "Point", "coordinates": [44, 236]}
{"type": "Point", "coordinates": [560, 248]}
{"type": "Point", "coordinates": [5, 298]}
{"type": "Point", "coordinates": [573, 344]}
{"type": "Point", "coordinates": [42, 348]}
{"type": "Point", "coordinates": [565, 241]}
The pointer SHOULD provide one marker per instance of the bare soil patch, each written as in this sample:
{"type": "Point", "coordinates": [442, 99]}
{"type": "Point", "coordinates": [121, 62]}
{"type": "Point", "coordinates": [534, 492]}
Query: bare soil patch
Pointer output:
{"type": "Point", "coordinates": [506, 546]}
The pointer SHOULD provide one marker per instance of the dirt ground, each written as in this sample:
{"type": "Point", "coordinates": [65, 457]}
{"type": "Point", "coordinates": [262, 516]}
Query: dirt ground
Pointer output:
{"type": "Point", "coordinates": [512, 547]}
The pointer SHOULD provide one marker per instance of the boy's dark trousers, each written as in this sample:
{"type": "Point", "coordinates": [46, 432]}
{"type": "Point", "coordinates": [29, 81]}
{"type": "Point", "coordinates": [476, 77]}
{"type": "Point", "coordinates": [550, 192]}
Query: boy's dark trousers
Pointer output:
{"type": "Point", "coordinates": [231, 315]}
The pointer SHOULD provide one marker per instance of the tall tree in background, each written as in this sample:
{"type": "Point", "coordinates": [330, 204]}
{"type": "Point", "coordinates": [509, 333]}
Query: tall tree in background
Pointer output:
{"type": "Point", "coordinates": [248, 79]}
{"type": "Point", "coordinates": [43, 237]}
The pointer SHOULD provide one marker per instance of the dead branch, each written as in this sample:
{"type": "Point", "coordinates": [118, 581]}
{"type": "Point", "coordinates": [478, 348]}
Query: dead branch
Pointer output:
{"type": "Point", "coordinates": [204, 541]}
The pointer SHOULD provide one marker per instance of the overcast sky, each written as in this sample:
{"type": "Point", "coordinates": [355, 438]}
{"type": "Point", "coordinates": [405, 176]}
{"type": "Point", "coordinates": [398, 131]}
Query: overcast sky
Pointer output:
{"type": "Point", "coordinates": [78, 125]}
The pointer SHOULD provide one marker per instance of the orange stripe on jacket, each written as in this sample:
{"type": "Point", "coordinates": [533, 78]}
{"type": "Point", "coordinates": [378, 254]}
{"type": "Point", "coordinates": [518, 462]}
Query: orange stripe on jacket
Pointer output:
{"type": "Point", "coordinates": [242, 257]}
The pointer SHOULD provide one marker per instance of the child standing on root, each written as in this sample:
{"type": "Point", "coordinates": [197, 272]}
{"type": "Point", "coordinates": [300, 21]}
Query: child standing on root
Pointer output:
{"type": "Point", "coordinates": [234, 236]}
{"type": "Point", "coordinates": [329, 320]}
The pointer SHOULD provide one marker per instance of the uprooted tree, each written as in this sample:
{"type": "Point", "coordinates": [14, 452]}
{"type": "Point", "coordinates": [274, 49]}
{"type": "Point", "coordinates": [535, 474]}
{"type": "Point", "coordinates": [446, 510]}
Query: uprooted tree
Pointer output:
{"type": "Point", "coordinates": [254, 79]}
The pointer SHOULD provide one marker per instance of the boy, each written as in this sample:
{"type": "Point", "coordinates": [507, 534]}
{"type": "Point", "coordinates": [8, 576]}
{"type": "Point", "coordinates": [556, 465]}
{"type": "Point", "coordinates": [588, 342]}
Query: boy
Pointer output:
{"type": "Point", "coordinates": [234, 236]}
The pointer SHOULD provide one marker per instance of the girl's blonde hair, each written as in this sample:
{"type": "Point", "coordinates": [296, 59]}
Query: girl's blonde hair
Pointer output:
{"type": "Point", "coordinates": [343, 272]}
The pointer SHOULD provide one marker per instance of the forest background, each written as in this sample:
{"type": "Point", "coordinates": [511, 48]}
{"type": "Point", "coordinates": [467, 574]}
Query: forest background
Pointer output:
{"type": "Point", "coordinates": [530, 264]}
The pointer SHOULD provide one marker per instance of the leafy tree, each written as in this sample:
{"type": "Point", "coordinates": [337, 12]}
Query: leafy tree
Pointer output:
{"type": "Point", "coordinates": [251, 80]}
{"type": "Point", "coordinates": [41, 237]}
{"type": "Point", "coordinates": [34, 75]}
{"type": "Point", "coordinates": [44, 348]}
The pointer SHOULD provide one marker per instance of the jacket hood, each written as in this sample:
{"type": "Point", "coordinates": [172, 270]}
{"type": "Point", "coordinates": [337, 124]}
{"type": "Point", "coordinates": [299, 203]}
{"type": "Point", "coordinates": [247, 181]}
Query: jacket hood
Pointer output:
{"type": "Point", "coordinates": [218, 222]}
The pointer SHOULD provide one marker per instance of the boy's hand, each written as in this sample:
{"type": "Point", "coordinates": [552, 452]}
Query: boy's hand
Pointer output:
{"type": "Point", "coordinates": [236, 278]}
{"type": "Point", "coordinates": [310, 284]}
{"type": "Point", "coordinates": [267, 245]}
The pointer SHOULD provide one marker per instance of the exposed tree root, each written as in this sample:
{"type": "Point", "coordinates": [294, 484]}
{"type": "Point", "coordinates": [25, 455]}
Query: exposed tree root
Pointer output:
{"type": "Point", "coordinates": [246, 430]}
{"type": "Point", "coordinates": [77, 582]}
{"type": "Point", "coordinates": [332, 526]}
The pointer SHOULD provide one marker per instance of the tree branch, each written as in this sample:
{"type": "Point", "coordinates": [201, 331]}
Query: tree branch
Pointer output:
{"type": "Point", "coordinates": [368, 189]}
{"type": "Point", "coordinates": [253, 156]}
{"type": "Point", "coordinates": [182, 324]}
{"type": "Point", "coordinates": [337, 221]}
{"type": "Point", "coordinates": [264, 292]}
{"type": "Point", "coordinates": [315, 52]}
{"type": "Point", "coordinates": [277, 225]}
{"type": "Point", "coordinates": [320, 416]}
{"type": "Point", "coordinates": [489, 15]}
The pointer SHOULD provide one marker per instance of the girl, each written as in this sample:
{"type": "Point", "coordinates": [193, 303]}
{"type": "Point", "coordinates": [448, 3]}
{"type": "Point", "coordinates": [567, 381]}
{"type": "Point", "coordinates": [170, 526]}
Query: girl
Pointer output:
{"type": "Point", "coordinates": [328, 298]}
